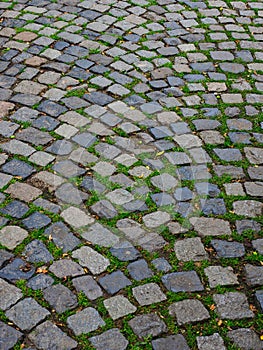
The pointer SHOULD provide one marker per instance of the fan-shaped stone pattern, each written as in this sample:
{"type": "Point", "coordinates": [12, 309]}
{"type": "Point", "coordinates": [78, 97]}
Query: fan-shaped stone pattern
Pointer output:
{"type": "Point", "coordinates": [118, 121]}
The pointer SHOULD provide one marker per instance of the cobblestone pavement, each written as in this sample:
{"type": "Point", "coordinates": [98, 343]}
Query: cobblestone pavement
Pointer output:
{"type": "Point", "coordinates": [131, 171]}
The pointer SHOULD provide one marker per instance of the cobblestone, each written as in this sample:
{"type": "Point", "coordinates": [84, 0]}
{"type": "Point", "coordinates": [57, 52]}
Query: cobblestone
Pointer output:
{"type": "Point", "coordinates": [232, 305]}
{"type": "Point", "coordinates": [148, 294]}
{"type": "Point", "coordinates": [85, 321]}
{"type": "Point", "coordinates": [220, 276]}
{"type": "Point", "coordinates": [36, 252]}
{"type": "Point", "coordinates": [89, 258]}
{"type": "Point", "coordinates": [170, 342]}
{"type": "Point", "coordinates": [188, 311]}
{"type": "Point", "coordinates": [48, 335]}
{"type": "Point", "coordinates": [24, 308]}
{"type": "Point", "coordinates": [16, 270]}
{"type": "Point", "coordinates": [128, 129]}
{"type": "Point", "coordinates": [245, 339]}
{"type": "Point", "coordinates": [226, 249]}
{"type": "Point", "coordinates": [9, 336]}
{"type": "Point", "coordinates": [254, 275]}
{"type": "Point", "coordinates": [109, 340]}
{"type": "Point", "coordinates": [11, 236]}
{"type": "Point", "coordinates": [190, 249]}
{"type": "Point", "coordinates": [119, 306]}
{"type": "Point", "coordinates": [60, 298]}
{"type": "Point", "coordinates": [182, 282]}
{"type": "Point", "coordinates": [9, 294]}
{"type": "Point", "coordinates": [147, 325]}
{"type": "Point", "coordinates": [210, 342]}
{"type": "Point", "coordinates": [114, 282]}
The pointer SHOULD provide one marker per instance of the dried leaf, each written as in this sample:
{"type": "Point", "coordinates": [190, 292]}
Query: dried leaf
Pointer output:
{"type": "Point", "coordinates": [42, 270]}
{"type": "Point", "coordinates": [212, 307]}
{"type": "Point", "coordinates": [252, 308]}
{"type": "Point", "coordinates": [159, 153]}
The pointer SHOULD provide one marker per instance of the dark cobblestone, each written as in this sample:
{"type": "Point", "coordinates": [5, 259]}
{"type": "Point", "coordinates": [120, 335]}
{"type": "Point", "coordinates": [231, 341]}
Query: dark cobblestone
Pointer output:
{"type": "Point", "coordinates": [60, 298]}
{"type": "Point", "coordinates": [182, 282]}
{"type": "Point", "coordinates": [127, 129]}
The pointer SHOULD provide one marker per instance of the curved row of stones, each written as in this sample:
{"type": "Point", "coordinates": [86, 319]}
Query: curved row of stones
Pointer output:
{"type": "Point", "coordinates": [131, 174]}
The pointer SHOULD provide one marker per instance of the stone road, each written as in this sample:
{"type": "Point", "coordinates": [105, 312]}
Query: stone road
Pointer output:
{"type": "Point", "coordinates": [131, 171]}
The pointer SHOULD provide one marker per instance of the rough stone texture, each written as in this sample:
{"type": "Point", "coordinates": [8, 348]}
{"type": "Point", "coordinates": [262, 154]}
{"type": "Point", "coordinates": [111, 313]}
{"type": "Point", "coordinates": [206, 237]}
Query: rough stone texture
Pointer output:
{"type": "Point", "coordinates": [118, 307]}
{"type": "Point", "coordinates": [220, 276]}
{"type": "Point", "coordinates": [8, 336]}
{"type": "Point", "coordinates": [254, 155]}
{"type": "Point", "coordinates": [129, 128]}
{"type": "Point", "coordinates": [23, 191]}
{"type": "Point", "coordinates": [258, 245]}
{"type": "Point", "coordinates": [9, 294]}
{"type": "Point", "coordinates": [249, 208]}
{"type": "Point", "coordinates": [114, 282]}
{"type": "Point", "coordinates": [85, 321]}
{"type": "Point", "coordinates": [36, 252]}
{"type": "Point", "coordinates": [48, 336]}
{"type": "Point", "coordinates": [245, 339]}
{"type": "Point", "coordinates": [60, 298]}
{"type": "Point", "coordinates": [210, 226]}
{"type": "Point", "coordinates": [40, 281]}
{"type": "Point", "coordinates": [65, 267]}
{"type": "Point", "coordinates": [4, 179]}
{"type": "Point", "coordinates": [15, 209]}
{"type": "Point", "coordinates": [76, 217]}
{"type": "Point", "coordinates": [12, 236]}
{"type": "Point", "coordinates": [125, 251]}
{"type": "Point", "coordinates": [27, 313]}
{"type": "Point", "coordinates": [156, 219]}
{"type": "Point", "coordinates": [4, 257]}
{"type": "Point", "coordinates": [89, 258]}
{"type": "Point", "coordinates": [188, 311]}
{"type": "Point", "coordinates": [61, 236]}
{"type": "Point", "coordinates": [148, 294]}
{"type": "Point", "coordinates": [259, 299]}
{"type": "Point", "coordinates": [210, 342]}
{"type": "Point", "coordinates": [161, 264]}
{"type": "Point", "coordinates": [17, 269]}
{"type": "Point", "coordinates": [225, 249]}
{"type": "Point", "coordinates": [190, 249]}
{"type": "Point", "coordinates": [88, 286]}
{"type": "Point", "coordinates": [254, 275]}
{"type": "Point", "coordinates": [109, 340]}
{"type": "Point", "coordinates": [139, 270]}
{"type": "Point", "coordinates": [187, 281]}
{"type": "Point", "coordinates": [98, 234]}
{"type": "Point", "coordinates": [104, 209]}
{"type": "Point", "coordinates": [170, 343]}
{"type": "Point", "coordinates": [232, 306]}
{"type": "Point", "coordinates": [147, 325]}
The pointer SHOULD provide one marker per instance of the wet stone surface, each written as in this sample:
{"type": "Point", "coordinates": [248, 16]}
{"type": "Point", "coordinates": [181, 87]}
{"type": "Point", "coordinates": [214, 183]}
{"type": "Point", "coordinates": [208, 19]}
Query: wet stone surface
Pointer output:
{"type": "Point", "coordinates": [131, 174]}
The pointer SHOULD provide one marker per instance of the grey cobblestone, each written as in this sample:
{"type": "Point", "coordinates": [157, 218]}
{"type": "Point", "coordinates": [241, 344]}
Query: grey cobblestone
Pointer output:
{"type": "Point", "coordinates": [20, 313]}
{"type": "Point", "coordinates": [188, 311]}
{"type": "Point", "coordinates": [9, 336]}
{"type": "Point", "coordinates": [60, 298]}
{"type": "Point", "coordinates": [110, 340]}
{"type": "Point", "coordinates": [127, 130]}
{"type": "Point", "coordinates": [85, 321]}
{"type": "Point", "coordinates": [232, 305]}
